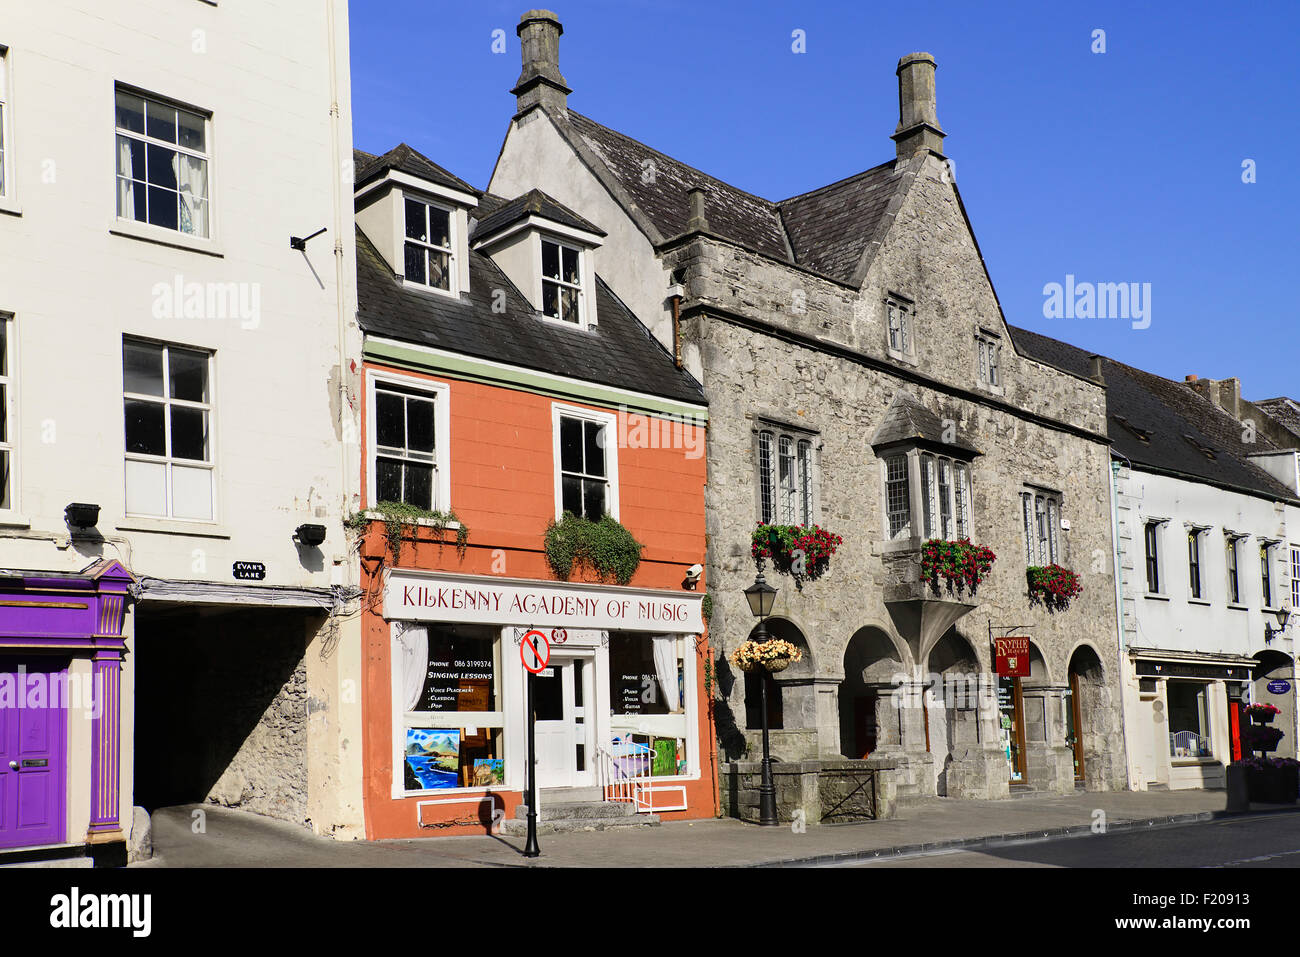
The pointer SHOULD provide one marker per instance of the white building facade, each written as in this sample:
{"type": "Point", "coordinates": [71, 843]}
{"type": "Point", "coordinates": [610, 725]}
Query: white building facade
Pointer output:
{"type": "Point", "coordinates": [174, 364]}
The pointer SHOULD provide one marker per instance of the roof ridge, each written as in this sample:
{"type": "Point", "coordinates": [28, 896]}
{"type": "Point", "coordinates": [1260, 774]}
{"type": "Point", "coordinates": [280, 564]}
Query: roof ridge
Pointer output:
{"type": "Point", "coordinates": [838, 182]}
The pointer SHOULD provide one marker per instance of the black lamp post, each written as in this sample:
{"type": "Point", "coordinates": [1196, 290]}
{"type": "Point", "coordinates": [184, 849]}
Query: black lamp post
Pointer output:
{"type": "Point", "coordinates": [761, 596]}
{"type": "Point", "coordinates": [1283, 615]}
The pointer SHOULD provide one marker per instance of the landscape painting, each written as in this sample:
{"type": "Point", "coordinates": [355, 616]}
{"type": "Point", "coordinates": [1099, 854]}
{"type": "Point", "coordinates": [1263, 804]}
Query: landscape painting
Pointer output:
{"type": "Point", "coordinates": [433, 757]}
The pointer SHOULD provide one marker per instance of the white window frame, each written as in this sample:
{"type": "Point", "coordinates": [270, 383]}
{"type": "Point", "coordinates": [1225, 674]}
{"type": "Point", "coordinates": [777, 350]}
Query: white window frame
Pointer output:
{"type": "Point", "coordinates": [1267, 575]}
{"type": "Point", "coordinates": [795, 503]}
{"type": "Point", "coordinates": [1295, 578]}
{"type": "Point", "coordinates": [988, 347]}
{"type": "Point", "coordinates": [580, 287]}
{"type": "Point", "coordinates": [610, 422]}
{"type": "Point", "coordinates": [900, 314]}
{"type": "Point", "coordinates": [1041, 518]}
{"type": "Point", "coordinates": [904, 532]}
{"type": "Point", "coordinates": [206, 155]}
{"type": "Point", "coordinates": [956, 504]}
{"type": "Point", "coordinates": [453, 240]}
{"type": "Point", "coordinates": [441, 393]}
{"type": "Point", "coordinates": [8, 379]}
{"type": "Point", "coordinates": [1195, 535]}
{"type": "Point", "coordinates": [1232, 569]}
{"type": "Point", "coordinates": [6, 131]}
{"type": "Point", "coordinates": [167, 460]}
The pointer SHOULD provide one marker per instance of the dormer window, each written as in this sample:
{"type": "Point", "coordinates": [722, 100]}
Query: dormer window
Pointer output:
{"type": "Point", "coordinates": [430, 257]}
{"type": "Point", "coordinates": [561, 282]}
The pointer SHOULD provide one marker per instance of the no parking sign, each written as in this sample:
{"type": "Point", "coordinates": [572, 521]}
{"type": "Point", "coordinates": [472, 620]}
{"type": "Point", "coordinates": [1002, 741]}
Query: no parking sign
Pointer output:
{"type": "Point", "coordinates": [535, 651]}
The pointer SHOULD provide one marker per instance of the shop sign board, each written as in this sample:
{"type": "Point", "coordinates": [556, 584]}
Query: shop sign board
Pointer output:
{"type": "Point", "coordinates": [1279, 687]}
{"type": "Point", "coordinates": [494, 601]}
{"type": "Point", "coordinates": [1012, 657]}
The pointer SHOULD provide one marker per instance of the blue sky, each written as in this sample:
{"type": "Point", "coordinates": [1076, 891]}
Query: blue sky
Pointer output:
{"type": "Point", "coordinates": [1122, 166]}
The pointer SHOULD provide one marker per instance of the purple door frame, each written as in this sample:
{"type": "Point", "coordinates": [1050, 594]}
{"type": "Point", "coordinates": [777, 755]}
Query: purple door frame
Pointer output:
{"type": "Point", "coordinates": [76, 615]}
{"type": "Point", "coordinates": [33, 752]}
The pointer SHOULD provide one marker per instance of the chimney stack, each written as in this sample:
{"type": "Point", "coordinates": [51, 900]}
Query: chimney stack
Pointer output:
{"type": "Point", "coordinates": [1230, 396]}
{"type": "Point", "coordinates": [697, 221]}
{"type": "Point", "coordinates": [540, 83]}
{"type": "Point", "coordinates": [1094, 369]}
{"type": "Point", "coordinates": [918, 123]}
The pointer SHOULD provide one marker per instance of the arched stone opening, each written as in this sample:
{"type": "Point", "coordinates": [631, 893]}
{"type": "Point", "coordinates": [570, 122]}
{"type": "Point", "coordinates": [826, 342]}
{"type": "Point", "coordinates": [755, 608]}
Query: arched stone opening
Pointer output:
{"type": "Point", "coordinates": [791, 706]}
{"type": "Point", "coordinates": [952, 710]}
{"type": "Point", "coordinates": [1088, 709]}
{"type": "Point", "coordinates": [868, 722]}
{"type": "Point", "coordinates": [1275, 670]}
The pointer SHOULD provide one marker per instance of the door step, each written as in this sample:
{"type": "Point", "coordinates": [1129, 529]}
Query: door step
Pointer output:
{"type": "Point", "coordinates": [580, 816]}
{"type": "Point", "coordinates": [570, 795]}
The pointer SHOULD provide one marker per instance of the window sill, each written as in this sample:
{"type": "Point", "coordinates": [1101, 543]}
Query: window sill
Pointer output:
{"type": "Point", "coordinates": [431, 290]}
{"type": "Point", "coordinates": [1199, 601]}
{"type": "Point", "coordinates": [1153, 596]}
{"type": "Point", "coordinates": [892, 546]}
{"type": "Point", "coordinates": [165, 526]}
{"type": "Point", "coordinates": [903, 357]}
{"type": "Point", "coordinates": [10, 209]}
{"type": "Point", "coordinates": [1186, 762]}
{"type": "Point", "coordinates": [10, 519]}
{"type": "Point", "coordinates": [375, 516]}
{"type": "Point", "coordinates": [1236, 607]}
{"type": "Point", "coordinates": [164, 237]}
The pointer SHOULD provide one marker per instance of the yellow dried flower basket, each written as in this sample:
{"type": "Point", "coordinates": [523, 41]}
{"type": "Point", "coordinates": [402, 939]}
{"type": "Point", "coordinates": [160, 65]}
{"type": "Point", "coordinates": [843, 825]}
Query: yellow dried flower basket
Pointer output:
{"type": "Point", "coordinates": [774, 655]}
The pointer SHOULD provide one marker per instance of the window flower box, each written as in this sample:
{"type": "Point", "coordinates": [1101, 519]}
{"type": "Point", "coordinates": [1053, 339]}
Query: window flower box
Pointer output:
{"type": "Point", "coordinates": [960, 564]}
{"type": "Point", "coordinates": [801, 551]}
{"type": "Point", "coordinates": [1053, 586]}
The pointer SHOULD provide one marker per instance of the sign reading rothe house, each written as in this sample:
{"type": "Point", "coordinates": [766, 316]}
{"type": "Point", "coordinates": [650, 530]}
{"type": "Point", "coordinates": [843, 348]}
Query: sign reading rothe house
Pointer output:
{"type": "Point", "coordinates": [478, 600]}
{"type": "Point", "coordinates": [1011, 656]}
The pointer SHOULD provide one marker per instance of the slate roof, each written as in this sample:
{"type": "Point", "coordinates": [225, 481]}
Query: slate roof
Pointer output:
{"type": "Point", "coordinates": [618, 352]}
{"type": "Point", "coordinates": [532, 203]}
{"type": "Point", "coordinates": [1285, 411]}
{"type": "Point", "coordinates": [367, 167]}
{"type": "Point", "coordinates": [826, 230]}
{"type": "Point", "coordinates": [1176, 421]}
{"type": "Point", "coordinates": [907, 420]}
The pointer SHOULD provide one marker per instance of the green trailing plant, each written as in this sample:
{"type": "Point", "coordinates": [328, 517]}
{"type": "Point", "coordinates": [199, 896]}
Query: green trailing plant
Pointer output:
{"type": "Point", "coordinates": [397, 516]}
{"type": "Point", "coordinates": [706, 606]}
{"type": "Point", "coordinates": [604, 546]}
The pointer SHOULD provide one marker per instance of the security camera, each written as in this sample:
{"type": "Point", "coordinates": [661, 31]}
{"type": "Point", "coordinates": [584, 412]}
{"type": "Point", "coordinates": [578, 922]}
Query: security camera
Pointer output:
{"type": "Point", "coordinates": [693, 576]}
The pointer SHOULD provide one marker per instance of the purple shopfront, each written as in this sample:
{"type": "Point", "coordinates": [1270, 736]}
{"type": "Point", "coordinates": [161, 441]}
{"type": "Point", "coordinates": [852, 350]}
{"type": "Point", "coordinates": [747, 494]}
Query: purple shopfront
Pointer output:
{"type": "Point", "coordinates": [61, 654]}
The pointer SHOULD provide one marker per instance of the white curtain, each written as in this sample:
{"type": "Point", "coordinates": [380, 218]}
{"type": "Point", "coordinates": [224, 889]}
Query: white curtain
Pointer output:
{"type": "Point", "coordinates": [192, 176]}
{"type": "Point", "coordinates": [125, 188]}
{"type": "Point", "coordinates": [665, 651]}
{"type": "Point", "coordinates": [411, 654]}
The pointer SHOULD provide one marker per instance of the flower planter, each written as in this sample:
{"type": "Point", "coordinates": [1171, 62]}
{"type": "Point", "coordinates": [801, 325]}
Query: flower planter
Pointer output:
{"type": "Point", "coordinates": [777, 664]}
{"type": "Point", "coordinates": [772, 655]}
{"type": "Point", "coordinates": [961, 564]}
{"type": "Point", "coordinates": [801, 551]}
{"type": "Point", "coordinates": [1052, 586]}
{"type": "Point", "coordinates": [1270, 784]}
{"type": "Point", "coordinates": [1263, 718]}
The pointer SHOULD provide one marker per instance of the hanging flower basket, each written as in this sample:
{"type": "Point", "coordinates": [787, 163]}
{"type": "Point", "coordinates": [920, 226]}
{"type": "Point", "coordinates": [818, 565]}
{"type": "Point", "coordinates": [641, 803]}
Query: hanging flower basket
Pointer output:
{"type": "Point", "coordinates": [960, 564]}
{"type": "Point", "coordinates": [773, 655]}
{"type": "Point", "coordinates": [801, 551]}
{"type": "Point", "coordinates": [1262, 713]}
{"type": "Point", "coordinates": [1053, 586]}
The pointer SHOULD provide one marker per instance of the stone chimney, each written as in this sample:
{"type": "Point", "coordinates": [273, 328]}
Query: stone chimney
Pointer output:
{"type": "Point", "coordinates": [1094, 369]}
{"type": "Point", "coordinates": [540, 82]}
{"type": "Point", "coordinates": [918, 123]}
{"type": "Point", "coordinates": [697, 222]}
{"type": "Point", "coordinates": [1224, 393]}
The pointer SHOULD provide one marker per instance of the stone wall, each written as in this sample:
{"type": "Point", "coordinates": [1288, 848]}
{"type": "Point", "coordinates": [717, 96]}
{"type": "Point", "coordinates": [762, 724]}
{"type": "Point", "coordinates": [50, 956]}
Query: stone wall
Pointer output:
{"type": "Point", "coordinates": [813, 792]}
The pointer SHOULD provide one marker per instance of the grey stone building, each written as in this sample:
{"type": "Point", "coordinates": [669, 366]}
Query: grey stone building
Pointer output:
{"type": "Point", "coordinates": [860, 375]}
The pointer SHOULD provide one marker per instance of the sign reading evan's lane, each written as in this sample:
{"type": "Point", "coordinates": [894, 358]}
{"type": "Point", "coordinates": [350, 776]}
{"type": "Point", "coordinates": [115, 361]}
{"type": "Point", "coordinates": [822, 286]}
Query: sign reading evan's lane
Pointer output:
{"type": "Point", "coordinates": [253, 570]}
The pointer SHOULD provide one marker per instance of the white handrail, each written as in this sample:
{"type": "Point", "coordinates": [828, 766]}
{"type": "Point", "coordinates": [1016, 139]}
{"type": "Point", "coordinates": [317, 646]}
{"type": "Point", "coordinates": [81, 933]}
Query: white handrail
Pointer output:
{"type": "Point", "coordinates": [625, 773]}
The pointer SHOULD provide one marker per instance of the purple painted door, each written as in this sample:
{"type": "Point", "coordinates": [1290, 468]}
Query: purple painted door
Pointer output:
{"type": "Point", "coordinates": [33, 731]}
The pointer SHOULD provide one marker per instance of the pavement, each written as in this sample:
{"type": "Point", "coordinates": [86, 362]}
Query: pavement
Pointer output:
{"type": "Point", "coordinates": [231, 838]}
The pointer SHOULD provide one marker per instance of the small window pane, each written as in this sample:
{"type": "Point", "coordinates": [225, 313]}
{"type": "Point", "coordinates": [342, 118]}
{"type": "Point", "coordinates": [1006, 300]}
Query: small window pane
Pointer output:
{"type": "Point", "coordinates": [415, 261]}
{"type": "Point", "coordinates": [192, 130]}
{"type": "Point", "coordinates": [189, 434]}
{"type": "Point", "coordinates": [439, 227]}
{"type": "Point", "coordinates": [550, 260]}
{"type": "Point", "coordinates": [192, 493]}
{"type": "Point", "coordinates": [390, 420]}
{"type": "Point", "coordinates": [388, 480]}
{"type": "Point", "coordinates": [571, 494]}
{"type": "Point", "coordinates": [419, 485]}
{"type": "Point", "coordinates": [439, 269]}
{"type": "Point", "coordinates": [188, 373]}
{"type": "Point", "coordinates": [142, 370]}
{"type": "Point", "coordinates": [145, 433]}
{"type": "Point", "coordinates": [162, 167]}
{"type": "Point", "coordinates": [130, 112]}
{"type": "Point", "coordinates": [550, 300]}
{"type": "Point", "coordinates": [571, 265]}
{"type": "Point", "coordinates": [162, 208]}
{"type": "Point", "coordinates": [593, 498]}
{"type": "Point", "coordinates": [130, 158]}
{"type": "Point", "coordinates": [161, 122]}
{"type": "Point", "coordinates": [594, 446]}
{"type": "Point", "coordinates": [569, 305]}
{"type": "Point", "coordinates": [416, 225]}
{"type": "Point", "coordinates": [571, 445]}
{"type": "Point", "coordinates": [419, 425]}
{"type": "Point", "coordinates": [146, 488]}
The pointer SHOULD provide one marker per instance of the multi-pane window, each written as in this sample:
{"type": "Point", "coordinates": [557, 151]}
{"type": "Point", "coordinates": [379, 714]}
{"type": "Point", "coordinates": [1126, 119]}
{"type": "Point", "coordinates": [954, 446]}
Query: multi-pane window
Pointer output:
{"type": "Point", "coordinates": [1194, 561]}
{"type": "Point", "coordinates": [584, 478]}
{"type": "Point", "coordinates": [168, 418]}
{"type": "Point", "coordinates": [1295, 578]}
{"type": "Point", "coordinates": [899, 317]}
{"type": "Point", "coordinates": [406, 468]}
{"type": "Point", "coordinates": [1265, 575]}
{"type": "Point", "coordinates": [4, 121]}
{"type": "Point", "coordinates": [561, 282]}
{"type": "Point", "coordinates": [1042, 516]}
{"type": "Point", "coordinates": [1234, 584]}
{"type": "Point", "coordinates": [785, 478]}
{"type": "Point", "coordinates": [428, 251]}
{"type": "Point", "coordinates": [6, 412]}
{"type": "Point", "coordinates": [989, 348]}
{"type": "Point", "coordinates": [945, 497]}
{"type": "Point", "coordinates": [162, 164]}
{"type": "Point", "coordinates": [1151, 537]}
{"type": "Point", "coordinates": [897, 506]}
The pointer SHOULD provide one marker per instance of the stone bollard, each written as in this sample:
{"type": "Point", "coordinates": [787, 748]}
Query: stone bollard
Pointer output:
{"type": "Point", "coordinates": [1238, 795]}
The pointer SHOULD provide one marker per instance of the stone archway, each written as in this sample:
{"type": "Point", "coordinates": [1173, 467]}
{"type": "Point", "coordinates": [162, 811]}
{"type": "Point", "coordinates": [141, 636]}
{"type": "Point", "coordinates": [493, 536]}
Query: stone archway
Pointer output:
{"type": "Point", "coordinates": [872, 666]}
{"type": "Point", "coordinates": [1088, 719]}
{"type": "Point", "coordinates": [1276, 668]}
{"type": "Point", "coordinates": [791, 703]}
{"type": "Point", "coordinates": [960, 716]}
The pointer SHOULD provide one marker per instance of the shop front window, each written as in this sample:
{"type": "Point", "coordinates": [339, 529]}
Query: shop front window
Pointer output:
{"type": "Point", "coordinates": [447, 681]}
{"type": "Point", "coordinates": [1189, 723]}
{"type": "Point", "coordinates": [647, 697]}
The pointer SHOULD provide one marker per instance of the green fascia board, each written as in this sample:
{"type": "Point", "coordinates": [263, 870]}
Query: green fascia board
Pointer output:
{"type": "Point", "coordinates": [474, 370]}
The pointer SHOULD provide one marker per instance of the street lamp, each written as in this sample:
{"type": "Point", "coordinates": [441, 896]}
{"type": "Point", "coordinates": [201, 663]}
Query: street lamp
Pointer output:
{"type": "Point", "coordinates": [1283, 615]}
{"type": "Point", "coordinates": [761, 596]}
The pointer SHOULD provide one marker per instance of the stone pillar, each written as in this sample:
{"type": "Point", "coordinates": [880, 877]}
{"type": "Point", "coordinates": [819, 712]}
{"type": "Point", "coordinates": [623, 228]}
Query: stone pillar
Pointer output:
{"type": "Point", "coordinates": [918, 121]}
{"type": "Point", "coordinates": [826, 692]}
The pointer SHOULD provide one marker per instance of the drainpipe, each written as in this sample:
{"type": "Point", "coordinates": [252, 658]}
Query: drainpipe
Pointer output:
{"type": "Point", "coordinates": [1113, 475]}
{"type": "Point", "coordinates": [340, 261]}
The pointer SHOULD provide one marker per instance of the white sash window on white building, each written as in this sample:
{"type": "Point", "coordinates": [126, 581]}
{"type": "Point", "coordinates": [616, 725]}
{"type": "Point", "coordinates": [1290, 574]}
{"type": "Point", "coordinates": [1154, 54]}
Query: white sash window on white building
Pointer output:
{"type": "Point", "coordinates": [1194, 561]}
{"type": "Point", "coordinates": [1295, 578]}
{"type": "Point", "coordinates": [7, 490]}
{"type": "Point", "coordinates": [1266, 573]}
{"type": "Point", "coordinates": [428, 252]}
{"type": "Point", "coordinates": [162, 164]}
{"type": "Point", "coordinates": [1234, 581]}
{"type": "Point", "coordinates": [168, 412]}
{"type": "Point", "coordinates": [4, 120]}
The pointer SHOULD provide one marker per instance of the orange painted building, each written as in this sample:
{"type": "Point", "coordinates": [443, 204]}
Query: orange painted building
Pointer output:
{"type": "Point", "coordinates": [505, 388]}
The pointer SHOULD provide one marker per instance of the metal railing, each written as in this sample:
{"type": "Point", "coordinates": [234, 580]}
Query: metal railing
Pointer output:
{"type": "Point", "coordinates": [625, 773]}
{"type": "Point", "coordinates": [1189, 743]}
